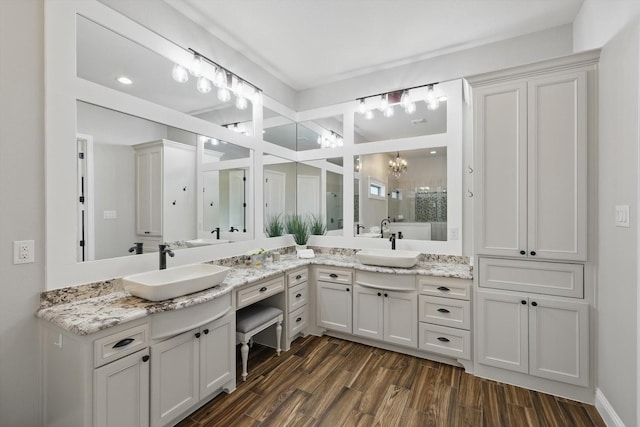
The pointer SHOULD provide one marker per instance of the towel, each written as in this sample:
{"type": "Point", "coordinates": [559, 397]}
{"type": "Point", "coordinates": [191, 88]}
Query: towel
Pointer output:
{"type": "Point", "coordinates": [306, 253]}
{"type": "Point", "coordinates": [374, 229]}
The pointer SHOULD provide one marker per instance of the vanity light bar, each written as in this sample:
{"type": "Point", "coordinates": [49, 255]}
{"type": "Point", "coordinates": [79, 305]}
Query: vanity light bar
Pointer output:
{"type": "Point", "coordinates": [403, 97]}
{"type": "Point", "coordinates": [210, 74]}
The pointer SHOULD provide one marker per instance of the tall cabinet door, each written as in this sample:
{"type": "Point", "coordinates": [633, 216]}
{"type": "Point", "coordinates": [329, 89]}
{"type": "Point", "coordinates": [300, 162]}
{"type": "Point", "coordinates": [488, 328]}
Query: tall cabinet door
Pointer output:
{"type": "Point", "coordinates": [557, 159]}
{"type": "Point", "coordinates": [149, 192]}
{"type": "Point", "coordinates": [502, 334]}
{"type": "Point", "coordinates": [401, 318]}
{"type": "Point", "coordinates": [500, 177]}
{"type": "Point", "coordinates": [122, 392]}
{"type": "Point", "coordinates": [217, 358]}
{"type": "Point", "coordinates": [367, 312]}
{"type": "Point", "coordinates": [559, 340]}
{"type": "Point", "coordinates": [175, 384]}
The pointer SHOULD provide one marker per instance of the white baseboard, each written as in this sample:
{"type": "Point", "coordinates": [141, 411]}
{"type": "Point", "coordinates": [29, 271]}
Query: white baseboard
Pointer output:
{"type": "Point", "coordinates": [608, 414]}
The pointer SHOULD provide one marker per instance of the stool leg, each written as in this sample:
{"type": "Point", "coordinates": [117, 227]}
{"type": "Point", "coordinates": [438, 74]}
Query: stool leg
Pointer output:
{"type": "Point", "coordinates": [244, 352]}
{"type": "Point", "coordinates": [278, 337]}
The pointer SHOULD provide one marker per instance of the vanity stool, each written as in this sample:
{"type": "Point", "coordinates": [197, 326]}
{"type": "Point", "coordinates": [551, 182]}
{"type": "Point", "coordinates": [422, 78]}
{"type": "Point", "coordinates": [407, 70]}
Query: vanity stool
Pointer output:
{"type": "Point", "coordinates": [252, 320]}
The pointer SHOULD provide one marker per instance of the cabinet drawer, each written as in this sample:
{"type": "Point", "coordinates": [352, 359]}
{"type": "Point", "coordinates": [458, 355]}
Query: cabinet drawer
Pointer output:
{"type": "Point", "coordinates": [445, 311]}
{"type": "Point", "coordinates": [443, 340]}
{"type": "Point", "coordinates": [298, 296]}
{"type": "Point", "coordinates": [297, 321]}
{"type": "Point", "coordinates": [118, 345]}
{"type": "Point", "coordinates": [260, 291]}
{"type": "Point", "coordinates": [170, 323]}
{"type": "Point", "coordinates": [393, 282]}
{"type": "Point", "coordinates": [334, 276]}
{"type": "Point", "coordinates": [450, 287]}
{"type": "Point", "coordinates": [548, 278]}
{"type": "Point", "coordinates": [296, 277]}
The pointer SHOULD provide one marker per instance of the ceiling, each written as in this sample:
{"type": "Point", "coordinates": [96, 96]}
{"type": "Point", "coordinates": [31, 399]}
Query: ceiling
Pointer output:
{"type": "Point", "coordinates": [308, 43]}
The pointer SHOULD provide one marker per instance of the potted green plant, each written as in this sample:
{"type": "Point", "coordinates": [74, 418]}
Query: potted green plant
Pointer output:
{"type": "Point", "coordinates": [298, 228]}
{"type": "Point", "coordinates": [274, 226]}
{"type": "Point", "coordinates": [317, 226]}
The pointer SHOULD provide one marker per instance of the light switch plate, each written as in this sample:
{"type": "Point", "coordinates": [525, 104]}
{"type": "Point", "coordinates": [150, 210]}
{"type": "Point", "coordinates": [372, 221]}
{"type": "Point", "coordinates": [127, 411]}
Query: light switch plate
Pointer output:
{"type": "Point", "coordinates": [110, 214]}
{"type": "Point", "coordinates": [622, 216]}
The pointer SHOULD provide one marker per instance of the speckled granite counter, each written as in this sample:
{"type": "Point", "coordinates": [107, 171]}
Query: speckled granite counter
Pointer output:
{"type": "Point", "coordinates": [86, 309]}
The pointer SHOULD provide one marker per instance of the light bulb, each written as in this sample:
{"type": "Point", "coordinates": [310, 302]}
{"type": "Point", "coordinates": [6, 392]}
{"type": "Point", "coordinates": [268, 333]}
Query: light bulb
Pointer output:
{"type": "Point", "coordinates": [180, 74]}
{"type": "Point", "coordinates": [237, 86]}
{"type": "Point", "coordinates": [410, 108]}
{"type": "Point", "coordinates": [196, 66]}
{"type": "Point", "coordinates": [220, 78]}
{"type": "Point", "coordinates": [369, 115]}
{"type": "Point", "coordinates": [432, 100]}
{"type": "Point", "coordinates": [257, 97]}
{"type": "Point", "coordinates": [223, 94]}
{"type": "Point", "coordinates": [319, 139]}
{"type": "Point", "coordinates": [405, 100]}
{"type": "Point", "coordinates": [203, 85]}
{"type": "Point", "coordinates": [388, 112]}
{"type": "Point", "coordinates": [362, 107]}
{"type": "Point", "coordinates": [241, 103]}
{"type": "Point", "coordinates": [384, 102]}
{"type": "Point", "coordinates": [339, 141]}
{"type": "Point", "coordinates": [214, 141]}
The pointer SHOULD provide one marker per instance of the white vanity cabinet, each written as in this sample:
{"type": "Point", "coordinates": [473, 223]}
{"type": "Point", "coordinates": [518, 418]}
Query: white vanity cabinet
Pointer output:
{"type": "Point", "coordinates": [333, 298]}
{"type": "Point", "coordinates": [385, 308]}
{"type": "Point", "coordinates": [530, 149]}
{"type": "Point", "coordinates": [165, 192]}
{"type": "Point", "coordinates": [297, 298]}
{"type": "Point", "coordinates": [542, 336]}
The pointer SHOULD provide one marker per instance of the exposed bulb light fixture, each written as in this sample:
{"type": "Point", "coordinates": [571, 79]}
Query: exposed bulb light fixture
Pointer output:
{"type": "Point", "coordinates": [432, 100]}
{"type": "Point", "coordinates": [124, 80]}
{"type": "Point", "coordinates": [203, 85]}
{"type": "Point", "coordinates": [180, 74]}
{"type": "Point", "coordinates": [331, 140]}
{"type": "Point", "coordinates": [362, 107]}
{"type": "Point", "coordinates": [196, 66]}
{"type": "Point", "coordinates": [369, 115]}
{"type": "Point", "coordinates": [220, 78]}
{"type": "Point", "coordinates": [384, 102]}
{"type": "Point", "coordinates": [410, 108]}
{"type": "Point", "coordinates": [389, 111]}
{"type": "Point", "coordinates": [241, 103]}
{"type": "Point", "coordinates": [398, 166]}
{"type": "Point", "coordinates": [405, 98]}
{"type": "Point", "coordinates": [223, 94]}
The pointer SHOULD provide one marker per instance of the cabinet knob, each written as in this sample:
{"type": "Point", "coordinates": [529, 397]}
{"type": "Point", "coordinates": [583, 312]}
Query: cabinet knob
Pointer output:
{"type": "Point", "coordinates": [299, 319]}
{"type": "Point", "coordinates": [206, 332]}
{"type": "Point", "coordinates": [145, 358]}
{"type": "Point", "coordinates": [348, 290]}
{"type": "Point", "coordinates": [298, 277]}
{"type": "Point", "coordinates": [443, 289]}
{"type": "Point", "coordinates": [533, 253]}
{"type": "Point", "coordinates": [443, 339]}
{"type": "Point", "coordinates": [523, 252]}
{"type": "Point", "coordinates": [443, 310]}
{"type": "Point", "coordinates": [523, 302]}
{"type": "Point", "coordinates": [298, 295]}
{"type": "Point", "coordinates": [197, 334]}
{"type": "Point", "coordinates": [334, 275]}
{"type": "Point", "coordinates": [263, 289]}
{"type": "Point", "coordinates": [535, 304]}
{"type": "Point", "coordinates": [386, 295]}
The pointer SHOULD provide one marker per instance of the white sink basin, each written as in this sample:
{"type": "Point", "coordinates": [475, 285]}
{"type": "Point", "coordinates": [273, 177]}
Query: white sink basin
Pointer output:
{"type": "Point", "coordinates": [371, 235]}
{"type": "Point", "coordinates": [173, 282]}
{"type": "Point", "coordinates": [195, 243]}
{"type": "Point", "coordinates": [388, 257]}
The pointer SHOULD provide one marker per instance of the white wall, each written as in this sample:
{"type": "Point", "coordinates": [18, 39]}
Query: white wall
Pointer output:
{"type": "Point", "coordinates": [598, 21]}
{"type": "Point", "coordinates": [22, 208]}
{"type": "Point", "coordinates": [617, 356]}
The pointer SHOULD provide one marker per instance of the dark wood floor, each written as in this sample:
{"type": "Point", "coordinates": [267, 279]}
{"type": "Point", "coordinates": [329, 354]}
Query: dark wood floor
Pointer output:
{"type": "Point", "coordinates": [331, 382]}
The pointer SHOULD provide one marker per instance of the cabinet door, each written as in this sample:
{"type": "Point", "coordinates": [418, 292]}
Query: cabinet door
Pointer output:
{"type": "Point", "coordinates": [174, 377]}
{"type": "Point", "coordinates": [502, 331]}
{"type": "Point", "coordinates": [401, 318]}
{"type": "Point", "coordinates": [500, 177]}
{"type": "Point", "coordinates": [334, 306]}
{"type": "Point", "coordinates": [557, 159]}
{"type": "Point", "coordinates": [149, 192]}
{"type": "Point", "coordinates": [179, 188]}
{"type": "Point", "coordinates": [122, 392]}
{"type": "Point", "coordinates": [368, 312]}
{"type": "Point", "coordinates": [217, 354]}
{"type": "Point", "coordinates": [559, 340]}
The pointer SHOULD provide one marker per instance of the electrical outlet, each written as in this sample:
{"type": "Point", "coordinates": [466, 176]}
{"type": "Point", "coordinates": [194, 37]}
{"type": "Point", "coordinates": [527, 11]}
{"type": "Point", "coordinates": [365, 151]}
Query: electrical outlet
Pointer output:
{"type": "Point", "coordinates": [23, 251]}
{"type": "Point", "coordinates": [622, 216]}
{"type": "Point", "coordinates": [453, 233]}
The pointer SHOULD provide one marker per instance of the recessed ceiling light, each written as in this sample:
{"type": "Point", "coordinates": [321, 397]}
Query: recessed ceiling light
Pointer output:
{"type": "Point", "coordinates": [434, 152]}
{"type": "Point", "coordinates": [124, 80]}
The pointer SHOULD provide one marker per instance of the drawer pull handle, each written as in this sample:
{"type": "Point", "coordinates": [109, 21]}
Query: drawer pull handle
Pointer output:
{"type": "Point", "coordinates": [197, 334]}
{"type": "Point", "coordinates": [298, 277]}
{"type": "Point", "coordinates": [334, 275]}
{"type": "Point", "coordinates": [443, 310]}
{"type": "Point", "coordinates": [523, 252]}
{"type": "Point", "coordinates": [443, 339]}
{"type": "Point", "coordinates": [123, 343]}
{"type": "Point", "coordinates": [263, 289]}
{"type": "Point", "coordinates": [533, 253]}
{"type": "Point", "coordinates": [298, 295]}
{"type": "Point", "coordinates": [145, 358]}
{"type": "Point", "coordinates": [206, 332]}
{"type": "Point", "coordinates": [535, 304]}
{"type": "Point", "coordinates": [299, 319]}
{"type": "Point", "coordinates": [443, 289]}
{"type": "Point", "coordinates": [523, 302]}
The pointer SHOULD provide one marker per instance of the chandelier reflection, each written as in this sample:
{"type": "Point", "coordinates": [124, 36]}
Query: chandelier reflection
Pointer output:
{"type": "Point", "coordinates": [398, 166]}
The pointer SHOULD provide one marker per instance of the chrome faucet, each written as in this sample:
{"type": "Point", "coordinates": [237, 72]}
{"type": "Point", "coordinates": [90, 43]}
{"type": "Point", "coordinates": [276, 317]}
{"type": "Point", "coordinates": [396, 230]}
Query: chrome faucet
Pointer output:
{"type": "Point", "coordinates": [137, 247]}
{"type": "Point", "coordinates": [232, 229]}
{"type": "Point", "coordinates": [392, 239]}
{"type": "Point", "coordinates": [217, 232]}
{"type": "Point", "coordinates": [382, 225]}
{"type": "Point", "coordinates": [164, 251]}
{"type": "Point", "coordinates": [358, 227]}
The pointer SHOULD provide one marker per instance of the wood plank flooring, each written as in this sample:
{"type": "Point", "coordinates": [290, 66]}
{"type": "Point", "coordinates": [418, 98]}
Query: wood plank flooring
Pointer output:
{"type": "Point", "coordinates": [324, 381]}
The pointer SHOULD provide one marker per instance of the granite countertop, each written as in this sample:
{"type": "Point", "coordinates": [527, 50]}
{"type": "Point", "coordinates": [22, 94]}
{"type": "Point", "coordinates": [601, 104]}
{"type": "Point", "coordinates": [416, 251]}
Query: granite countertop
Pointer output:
{"type": "Point", "coordinates": [87, 309]}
